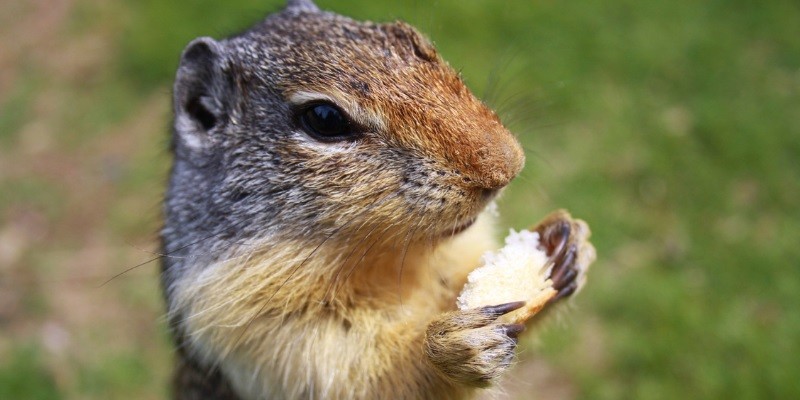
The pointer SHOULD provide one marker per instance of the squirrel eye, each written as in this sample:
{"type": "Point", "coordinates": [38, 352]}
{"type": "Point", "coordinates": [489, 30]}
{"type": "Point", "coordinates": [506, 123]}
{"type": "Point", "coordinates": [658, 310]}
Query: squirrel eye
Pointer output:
{"type": "Point", "coordinates": [325, 121]}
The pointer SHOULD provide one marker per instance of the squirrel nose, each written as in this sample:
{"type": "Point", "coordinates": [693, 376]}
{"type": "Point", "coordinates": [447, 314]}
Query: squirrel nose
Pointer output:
{"type": "Point", "coordinates": [497, 161]}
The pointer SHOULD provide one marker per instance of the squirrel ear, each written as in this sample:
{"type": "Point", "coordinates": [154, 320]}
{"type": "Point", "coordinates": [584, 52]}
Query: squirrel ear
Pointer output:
{"type": "Point", "coordinates": [199, 93]}
{"type": "Point", "coordinates": [301, 5]}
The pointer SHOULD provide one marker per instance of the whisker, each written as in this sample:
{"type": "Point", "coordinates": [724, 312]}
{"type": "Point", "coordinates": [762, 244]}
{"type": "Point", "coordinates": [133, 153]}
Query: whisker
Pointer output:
{"type": "Point", "coordinates": [170, 254]}
{"type": "Point", "coordinates": [339, 270]}
{"type": "Point", "coordinates": [494, 82]}
{"type": "Point", "coordinates": [361, 259]}
{"type": "Point", "coordinates": [160, 256]}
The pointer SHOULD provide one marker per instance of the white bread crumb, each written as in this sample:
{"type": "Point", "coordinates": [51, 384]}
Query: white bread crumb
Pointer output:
{"type": "Point", "coordinates": [517, 272]}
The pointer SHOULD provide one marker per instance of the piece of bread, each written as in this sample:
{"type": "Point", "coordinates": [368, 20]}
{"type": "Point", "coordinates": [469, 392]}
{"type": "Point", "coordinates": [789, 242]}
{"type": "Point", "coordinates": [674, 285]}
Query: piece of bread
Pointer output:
{"type": "Point", "coordinates": [519, 271]}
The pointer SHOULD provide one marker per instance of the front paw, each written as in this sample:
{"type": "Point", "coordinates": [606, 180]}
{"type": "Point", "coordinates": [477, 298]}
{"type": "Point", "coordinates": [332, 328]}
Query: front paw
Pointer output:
{"type": "Point", "coordinates": [470, 347]}
{"type": "Point", "coordinates": [566, 242]}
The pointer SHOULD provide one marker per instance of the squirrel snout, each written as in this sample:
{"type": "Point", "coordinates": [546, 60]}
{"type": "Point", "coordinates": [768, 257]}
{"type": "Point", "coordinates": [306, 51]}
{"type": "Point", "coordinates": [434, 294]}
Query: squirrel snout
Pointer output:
{"type": "Point", "coordinates": [496, 162]}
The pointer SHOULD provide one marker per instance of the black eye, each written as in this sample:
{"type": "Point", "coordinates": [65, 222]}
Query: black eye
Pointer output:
{"type": "Point", "coordinates": [326, 122]}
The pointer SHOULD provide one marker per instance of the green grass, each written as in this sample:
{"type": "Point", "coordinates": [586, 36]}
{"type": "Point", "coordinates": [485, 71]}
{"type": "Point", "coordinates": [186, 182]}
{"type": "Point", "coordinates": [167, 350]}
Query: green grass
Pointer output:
{"type": "Point", "coordinates": [671, 127]}
{"type": "Point", "coordinates": [23, 376]}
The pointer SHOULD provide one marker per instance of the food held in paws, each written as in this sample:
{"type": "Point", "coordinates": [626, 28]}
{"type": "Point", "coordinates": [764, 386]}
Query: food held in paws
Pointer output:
{"type": "Point", "coordinates": [517, 272]}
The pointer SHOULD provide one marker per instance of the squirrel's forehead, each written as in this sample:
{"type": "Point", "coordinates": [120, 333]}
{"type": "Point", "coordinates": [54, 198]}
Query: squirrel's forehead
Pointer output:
{"type": "Point", "coordinates": [326, 41]}
{"type": "Point", "coordinates": [362, 74]}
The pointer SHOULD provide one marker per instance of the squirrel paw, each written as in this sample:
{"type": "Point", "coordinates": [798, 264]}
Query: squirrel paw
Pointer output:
{"type": "Point", "coordinates": [566, 242]}
{"type": "Point", "coordinates": [470, 347]}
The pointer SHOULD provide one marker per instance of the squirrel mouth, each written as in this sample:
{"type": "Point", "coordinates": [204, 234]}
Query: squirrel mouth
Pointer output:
{"type": "Point", "coordinates": [460, 228]}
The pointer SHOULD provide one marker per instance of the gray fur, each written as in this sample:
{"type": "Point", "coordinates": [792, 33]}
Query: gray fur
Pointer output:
{"type": "Point", "coordinates": [301, 5]}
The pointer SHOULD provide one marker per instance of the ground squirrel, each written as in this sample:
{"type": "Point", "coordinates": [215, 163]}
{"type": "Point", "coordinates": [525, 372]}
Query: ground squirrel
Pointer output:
{"type": "Point", "coordinates": [324, 207]}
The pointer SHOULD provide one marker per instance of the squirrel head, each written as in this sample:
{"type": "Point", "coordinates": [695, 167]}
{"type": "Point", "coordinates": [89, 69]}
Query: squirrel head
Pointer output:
{"type": "Point", "coordinates": [311, 124]}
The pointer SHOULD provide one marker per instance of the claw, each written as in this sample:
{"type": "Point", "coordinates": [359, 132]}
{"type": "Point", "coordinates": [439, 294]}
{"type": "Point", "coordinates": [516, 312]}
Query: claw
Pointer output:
{"type": "Point", "coordinates": [564, 262]}
{"type": "Point", "coordinates": [500, 309]}
{"type": "Point", "coordinates": [565, 279]}
{"type": "Point", "coordinates": [554, 236]}
{"type": "Point", "coordinates": [512, 330]}
{"type": "Point", "coordinates": [565, 292]}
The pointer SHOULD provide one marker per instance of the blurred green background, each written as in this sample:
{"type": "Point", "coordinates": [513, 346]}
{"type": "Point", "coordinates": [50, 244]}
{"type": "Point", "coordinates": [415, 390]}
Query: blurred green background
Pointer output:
{"type": "Point", "coordinates": [672, 127]}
